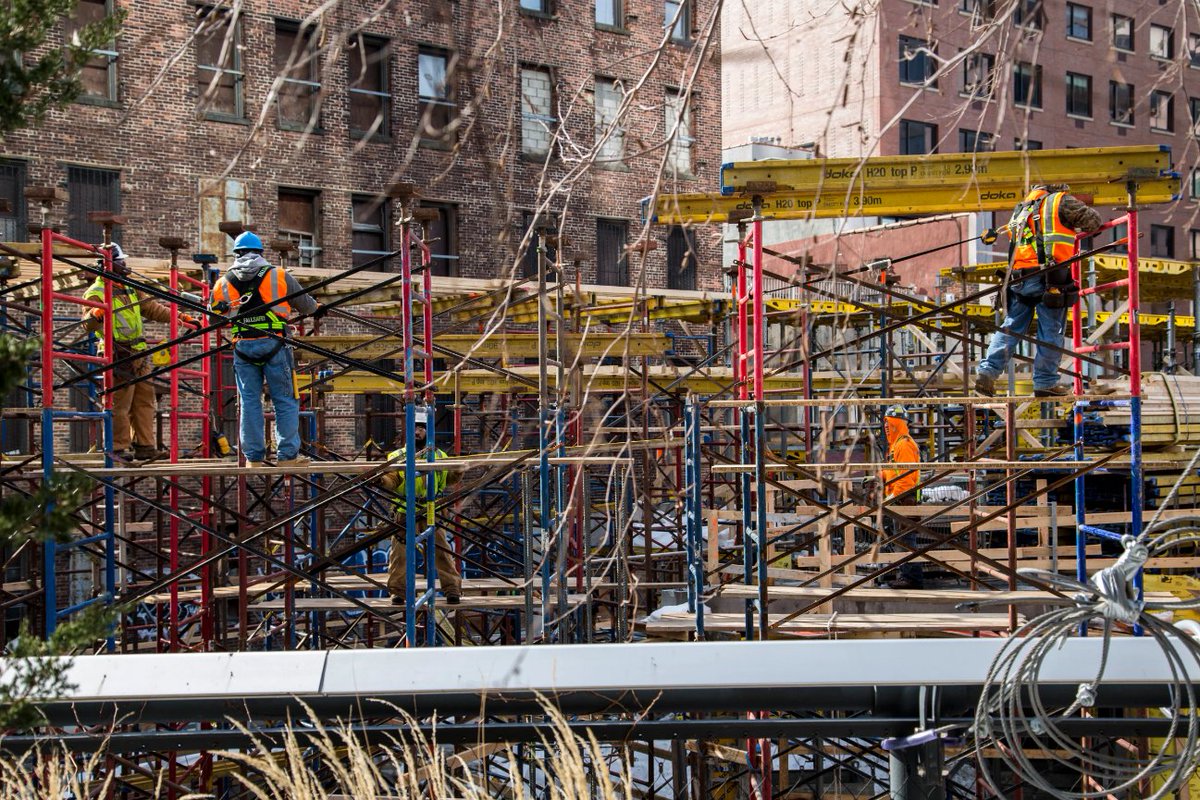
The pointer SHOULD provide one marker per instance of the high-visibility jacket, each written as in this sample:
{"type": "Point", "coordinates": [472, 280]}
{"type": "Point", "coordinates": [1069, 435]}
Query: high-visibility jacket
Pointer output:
{"type": "Point", "coordinates": [901, 450]}
{"type": "Point", "coordinates": [419, 485]}
{"type": "Point", "coordinates": [255, 302]}
{"type": "Point", "coordinates": [127, 313]}
{"type": "Point", "coordinates": [1039, 234]}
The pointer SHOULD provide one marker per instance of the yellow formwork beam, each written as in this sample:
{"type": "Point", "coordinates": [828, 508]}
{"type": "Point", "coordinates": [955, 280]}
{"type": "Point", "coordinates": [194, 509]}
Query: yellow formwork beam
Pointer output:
{"type": "Point", "coordinates": [705, 208]}
{"type": "Point", "coordinates": [1008, 169]}
{"type": "Point", "coordinates": [503, 345]}
{"type": "Point", "coordinates": [1172, 278]}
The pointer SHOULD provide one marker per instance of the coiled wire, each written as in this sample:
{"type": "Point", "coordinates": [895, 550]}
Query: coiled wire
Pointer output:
{"type": "Point", "coordinates": [1012, 715]}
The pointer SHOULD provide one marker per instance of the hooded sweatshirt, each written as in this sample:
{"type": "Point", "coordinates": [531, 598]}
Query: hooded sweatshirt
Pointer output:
{"type": "Point", "coordinates": [901, 450]}
{"type": "Point", "coordinates": [247, 265]}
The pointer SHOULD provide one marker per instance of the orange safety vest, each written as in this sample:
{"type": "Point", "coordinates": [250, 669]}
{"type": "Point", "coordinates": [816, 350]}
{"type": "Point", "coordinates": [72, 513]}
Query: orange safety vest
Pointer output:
{"type": "Point", "coordinates": [1038, 235]}
{"type": "Point", "coordinates": [255, 303]}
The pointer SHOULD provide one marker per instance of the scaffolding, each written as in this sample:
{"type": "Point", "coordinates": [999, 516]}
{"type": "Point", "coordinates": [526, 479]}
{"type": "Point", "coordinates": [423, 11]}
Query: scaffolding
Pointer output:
{"type": "Point", "coordinates": [651, 451]}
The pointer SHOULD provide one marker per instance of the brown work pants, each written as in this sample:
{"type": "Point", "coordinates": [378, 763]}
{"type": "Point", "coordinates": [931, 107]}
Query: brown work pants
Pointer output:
{"type": "Point", "coordinates": [443, 558]}
{"type": "Point", "coordinates": [134, 408]}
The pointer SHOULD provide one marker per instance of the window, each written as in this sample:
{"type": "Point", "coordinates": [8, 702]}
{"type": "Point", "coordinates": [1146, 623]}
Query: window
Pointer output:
{"type": "Point", "coordinates": [1194, 183]}
{"type": "Point", "coordinates": [609, 14]}
{"type": "Point", "coordinates": [970, 141]}
{"type": "Point", "coordinates": [99, 74]}
{"type": "Point", "coordinates": [612, 263]}
{"type": "Point", "coordinates": [541, 227]}
{"type": "Point", "coordinates": [441, 235]}
{"type": "Point", "coordinates": [917, 138]}
{"type": "Point", "coordinates": [916, 62]}
{"type": "Point", "coordinates": [682, 260]}
{"type": "Point", "coordinates": [677, 15]}
{"type": "Point", "coordinates": [537, 112]}
{"type": "Point", "coordinates": [368, 67]}
{"type": "Point", "coordinates": [536, 6]}
{"type": "Point", "coordinates": [1162, 241]}
{"type": "Point", "coordinates": [1079, 21]}
{"type": "Point", "coordinates": [368, 229]}
{"type": "Point", "coordinates": [1122, 32]}
{"type": "Point", "coordinates": [221, 200]}
{"type": "Point", "coordinates": [981, 10]}
{"type": "Point", "coordinates": [1195, 243]}
{"type": "Point", "coordinates": [220, 82]}
{"type": "Point", "coordinates": [92, 190]}
{"type": "Point", "coordinates": [1120, 232]}
{"type": "Point", "coordinates": [298, 76]}
{"type": "Point", "coordinates": [1079, 95]}
{"type": "Point", "coordinates": [1120, 102]}
{"type": "Point", "coordinates": [1162, 111]}
{"type": "Point", "coordinates": [678, 117]}
{"type": "Point", "coordinates": [1162, 41]}
{"type": "Point", "coordinates": [1194, 50]}
{"type": "Point", "coordinates": [977, 74]}
{"type": "Point", "coordinates": [435, 68]}
{"type": "Point", "coordinates": [1027, 84]}
{"type": "Point", "coordinates": [609, 133]}
{"type": "Point", "coordinates": [1194, 115]}
{"type": "Point", "coordinates": [1027, 144]}
{"type": "Point", "coordinates": [12, 195]}
{"type": "Point", "coordinates": [299, 221]}
{"type": "Point", "coordinates": [1028, 13]}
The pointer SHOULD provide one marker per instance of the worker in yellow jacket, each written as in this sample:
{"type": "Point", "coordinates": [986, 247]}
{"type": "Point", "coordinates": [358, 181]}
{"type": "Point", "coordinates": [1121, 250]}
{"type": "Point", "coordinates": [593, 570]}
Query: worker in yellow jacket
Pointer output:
{"type": "Point", "coordinates": [134, 405]}
{"type": "Point", "coordinates": [900, 487]}
{"type": "Point", "coordinates": [394, 481]}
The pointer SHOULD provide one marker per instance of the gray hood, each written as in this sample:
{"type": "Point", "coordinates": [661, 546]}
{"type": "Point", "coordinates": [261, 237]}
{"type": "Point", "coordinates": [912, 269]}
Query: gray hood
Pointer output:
{"type": "Point", "coordinates": [248, 265]}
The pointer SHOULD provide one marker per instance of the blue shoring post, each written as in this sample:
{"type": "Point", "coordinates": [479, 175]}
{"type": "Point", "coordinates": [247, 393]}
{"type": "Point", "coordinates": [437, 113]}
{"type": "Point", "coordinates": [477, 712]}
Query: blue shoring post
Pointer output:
{"type": "Point", "coordinates": [110, 509]}
{"type": "Point", "coordinates": [560, 503]}
{"type": "Point", "coordinates": [693, 498]}
{"type": "Point", "coordinates": [760, 522]}
{"type": "Point", "coordinates": [313, 539]}
{"type": "Point", "coordinates": [749, 557]}
{"type": "Point", "coordinates": [429, 523]}
{"type": "Point", "coordinates": [544, 507]}
{"type": "Point", "coordinates": [410, 520]}
{"type": "Point", "coordinates": [1080, 511]}
{"type": "Point", "coordinates": [690, 511]}
{"type": "Point", "coordinates": [49, 549]}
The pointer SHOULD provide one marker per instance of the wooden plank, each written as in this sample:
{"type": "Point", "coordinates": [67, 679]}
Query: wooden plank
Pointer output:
{"type": "Point", "coordinates": [385, 604]}
{"type": "Point", "coordinates": [837, 623]}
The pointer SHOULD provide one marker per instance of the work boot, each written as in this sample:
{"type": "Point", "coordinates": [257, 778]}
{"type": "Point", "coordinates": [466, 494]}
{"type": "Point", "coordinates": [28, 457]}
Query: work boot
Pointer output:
{"type": "Point", "coordinates": [453, 598]}
{"type": "Point", "coordinates": [1057, 390]}
{"type": "Point", "coordinates": [126, 456]}
{"type": "Point", "coordinates": [298, 461]}
{"type": "Point", "coordinates": [145, 452]}
{"type": "Point", "coordinates": [255, 464]}
{"type": "Point", "coordinates": [985, 385]}
{"type": "Point", "coordinates": [397, 599]}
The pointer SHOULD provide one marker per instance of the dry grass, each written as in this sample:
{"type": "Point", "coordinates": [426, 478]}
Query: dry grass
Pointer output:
{"type": "Point", "coordinates": [335, 761]}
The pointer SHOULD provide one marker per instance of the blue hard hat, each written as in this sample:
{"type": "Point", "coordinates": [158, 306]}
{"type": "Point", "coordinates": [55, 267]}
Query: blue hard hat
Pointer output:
{"type": "Point", "coordinates": [247, 241]}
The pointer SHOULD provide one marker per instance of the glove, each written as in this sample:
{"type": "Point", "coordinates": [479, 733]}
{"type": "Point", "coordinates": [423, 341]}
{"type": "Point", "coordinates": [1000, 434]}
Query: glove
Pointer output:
{"type": "Point", "coordinates": [221, 307]}
{"type": "Point", "coordinates": [94, 320]}
{"type": "Point", "coordinates": [190, 322]}
{"type": "Point", "coordinates": [321, 311]}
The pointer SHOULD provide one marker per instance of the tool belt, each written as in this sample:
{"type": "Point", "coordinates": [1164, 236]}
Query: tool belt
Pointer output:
{"type": "Point", "coordinates": [260, 361]}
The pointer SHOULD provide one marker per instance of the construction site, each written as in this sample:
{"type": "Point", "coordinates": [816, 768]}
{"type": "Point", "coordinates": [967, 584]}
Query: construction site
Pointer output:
{"type": "Point", "coordinates": [646, 539]}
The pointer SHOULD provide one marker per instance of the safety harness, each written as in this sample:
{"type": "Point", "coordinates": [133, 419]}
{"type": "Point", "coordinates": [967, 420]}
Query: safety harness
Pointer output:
{"type": "Point", "coordinates": [254, 317]}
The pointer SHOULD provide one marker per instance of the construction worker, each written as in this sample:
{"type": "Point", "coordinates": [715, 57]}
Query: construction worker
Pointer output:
{"type": "Point", "coordinates": [393, 481]}
{"type": "Point", "coordinates": [134, 404]}
{"type": "Point", "coordinates": [1041, 233]}
{"type": "Point", "coordinates": [899, 487]}
{"type": "Point", "coordinates": [252, 292]}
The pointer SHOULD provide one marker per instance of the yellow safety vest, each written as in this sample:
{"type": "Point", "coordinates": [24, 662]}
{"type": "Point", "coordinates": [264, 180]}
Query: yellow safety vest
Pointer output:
{"type": "Point", "coordinates": [439, 482]}
{"type": "Point", "coordinates": [126, 314]}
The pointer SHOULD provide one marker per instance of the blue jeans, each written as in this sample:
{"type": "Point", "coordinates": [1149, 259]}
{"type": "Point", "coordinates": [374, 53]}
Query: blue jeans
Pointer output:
{"type": "Point", "coordinates": [1050, 325]}
{"type": "Point", "coordinates": [277, 374]}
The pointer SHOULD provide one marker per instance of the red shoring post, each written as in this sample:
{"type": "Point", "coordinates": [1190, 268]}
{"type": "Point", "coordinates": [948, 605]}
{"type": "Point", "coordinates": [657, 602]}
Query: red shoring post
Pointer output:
{"type": "Point", "coordinates": [739, 299]}
{"type": "Point", "coordinates": [758, 302]}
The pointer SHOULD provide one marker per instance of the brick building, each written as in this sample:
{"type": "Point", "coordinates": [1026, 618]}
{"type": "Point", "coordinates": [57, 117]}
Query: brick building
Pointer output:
{"type": "Point", "coordinates": [920, 76]}
{"type": "Point", "coordinates": [297, 125]}
{"type": "Point", "coordinates": [542, 114]}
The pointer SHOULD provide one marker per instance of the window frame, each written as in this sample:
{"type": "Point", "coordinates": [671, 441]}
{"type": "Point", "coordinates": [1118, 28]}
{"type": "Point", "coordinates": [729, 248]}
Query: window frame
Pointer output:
{"type": "Point", "coordinates": [112, 96]}
{"type": "Point", "coordinates": [314, 258]}
{"type": "Point", "coordinates": [602, 122]}
{"type": "Point", "coordinates": [1156, 97]}
{"type": "Point", "coordinates": [1071, 93]}
{"type": "Point", "coordinates": [1071, 22]}
{"type": "Point", "coordinates": [907, 63]}
{"type": "Point", "coordinates": [1170, 42]}
{"type": "Point", "coordinates": [682, 21]}
{"type": "Point", "coordinates": [20, 207]}
{"type": "Point", "coordinates": [1194, 50]}
{"type": "Point", "coordinates": [547, 223]}
{"type": "Point", "coordinates": [232, 21]}
{"type": "Point", "coordinates": [1036, 11]}
{"type": "Point", "coordinates": [448, 217]}
{"type": "Point", "coordinates": [618, 275]}
{"type": "Point", "coordinates": [551, 121]}
{"type": "Point", "coordinates": [382, 46]}
{"type": "Point", "coordinates": [382, 229]}
{"type": "Point", "coordinates": [618, 11]}
{"type": "Point", "coordinates": [428, 104]}
{"type": "Point", "coordinates": [1114, 18]}
{"type": "Point", "coordinates": [1194, 116]}
{"type": "Point", "coordinates": [1195, 243]}
{"type": "Point", "coordinates": [544, 9]}
{"type": "Point", "coordinates": [1114, 87]}
{"type": "Point", "coordinates": [1034, 102]}
{"type": "Point", "coordinates": [974, 138]}
{"type": "Point", "coordinates": [1023, 144]}
{"type": "Point", "coordinates": [78, 225]}
{"type": "Point", "coordinates": [1169, 241]}
{"type": "Point", "coordinates": [978, 10]}
{"type": "Point", "coordinates": [1194, 183]}
{"type": "Point", "coordinates": [682, 135]}
{"type": "Point", "coordinates": [929, 131]}
{"type": "Point", "coordinates": [970, 64]}
{"type": "Point", "coordinates": [304, 33]}
{"type": "Point", "coordinates": [677, 279]}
